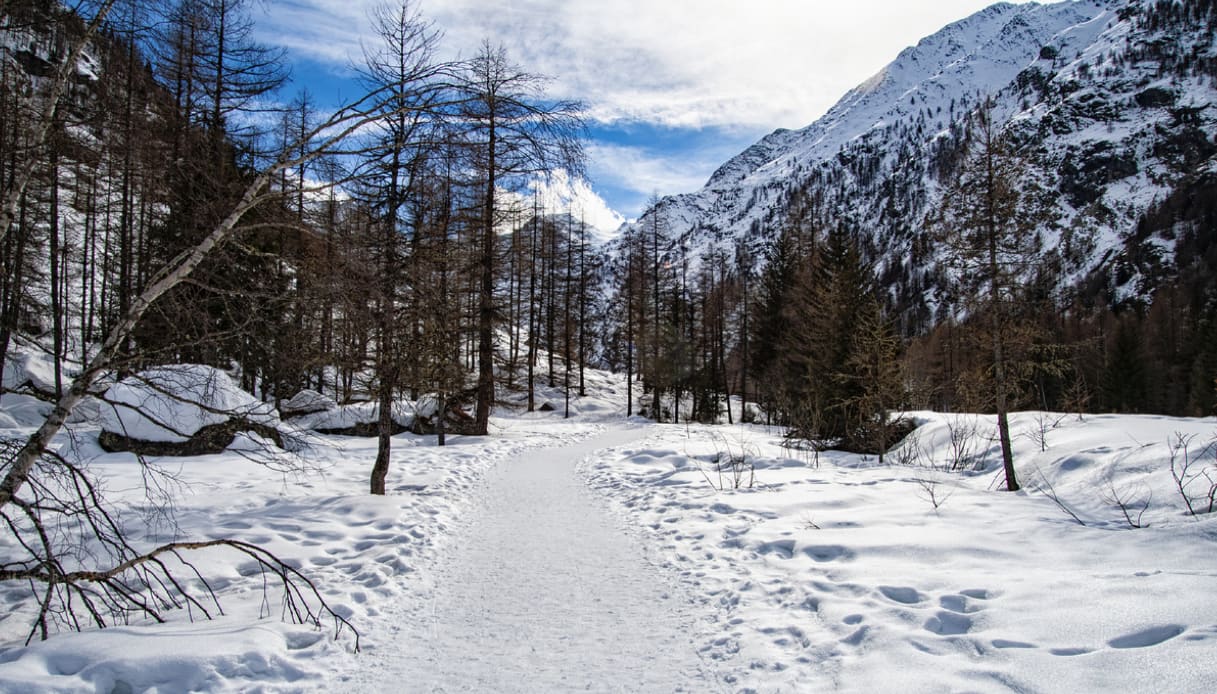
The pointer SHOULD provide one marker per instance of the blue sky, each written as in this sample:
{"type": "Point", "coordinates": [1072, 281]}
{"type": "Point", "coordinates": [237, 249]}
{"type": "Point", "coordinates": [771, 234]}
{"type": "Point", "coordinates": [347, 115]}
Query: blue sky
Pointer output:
{"type": "Point", "coordinates": [674, 87]}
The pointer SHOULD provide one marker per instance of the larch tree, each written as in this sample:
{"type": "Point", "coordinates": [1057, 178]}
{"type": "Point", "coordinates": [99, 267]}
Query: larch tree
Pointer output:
{"type": "Point", "coordinates": [987, 224]}
{"type": "Point", "coordinates": [42, 121]}
{"type": "Point", "coordinates": [512, 133]}
{"type": "Point", "coordinates": [403, 69]}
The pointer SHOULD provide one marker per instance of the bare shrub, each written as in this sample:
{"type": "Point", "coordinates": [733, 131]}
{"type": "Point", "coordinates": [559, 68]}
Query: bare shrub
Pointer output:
{"type": "Point", "coordinates": [933, 490]}
{"type": "Point", "coordinates": [734, 464]}
{"type": "Point", "coordinates": [1132, 500]}
{"type": "Point", "coordinates": [1195, 474]}
{"type": "Point", "coordinates": [1045, 487]}
{"type": "Point", "coordinates": [807, 451]}
{"type": "Point", "coordinates": [1044, 423]}
{"type": "Point", "coordinates": [964, 432]}
{"type": "Point", "coordinates": [910, 452]}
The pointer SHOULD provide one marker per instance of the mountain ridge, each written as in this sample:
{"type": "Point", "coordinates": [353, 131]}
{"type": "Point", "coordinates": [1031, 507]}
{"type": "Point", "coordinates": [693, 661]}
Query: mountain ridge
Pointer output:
{"type": "Point", "coordinates": [1087, 89]}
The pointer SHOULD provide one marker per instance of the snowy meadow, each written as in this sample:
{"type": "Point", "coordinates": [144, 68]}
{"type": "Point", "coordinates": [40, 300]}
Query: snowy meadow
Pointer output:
{"type": "Point", "coordinates": [780, 568]}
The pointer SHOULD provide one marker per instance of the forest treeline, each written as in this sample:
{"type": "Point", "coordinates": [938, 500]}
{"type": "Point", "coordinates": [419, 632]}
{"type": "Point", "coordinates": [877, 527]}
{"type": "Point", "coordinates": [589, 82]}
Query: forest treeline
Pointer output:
{"type": "Point", "coordinates": [374, 266]}
{"type": "Point", "coordinates": [808, 329]}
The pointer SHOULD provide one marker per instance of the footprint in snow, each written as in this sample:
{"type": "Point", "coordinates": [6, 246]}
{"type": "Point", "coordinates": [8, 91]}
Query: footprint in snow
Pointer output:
{"type": "Point", "coordinates": [1148, 637]}
{"type": "Point", "coordinates": [784, 549]}
{"type": "Point", "coordinates": [825, 553]}
{"type": "Point", "coordinates": [958, 604]}
{"type": "Point", "coordinates": [949, 624]}
{"type": "Point", "coordinates": [901, 594]}
{"type": "Point", "coordinates": [857, 637]}
{"type": "Point", "coordinates": [1006, 643]}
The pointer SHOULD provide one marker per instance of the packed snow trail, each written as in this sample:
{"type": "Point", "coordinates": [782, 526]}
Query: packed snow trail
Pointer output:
{"type": "Point", "coordinates": [544, 591]}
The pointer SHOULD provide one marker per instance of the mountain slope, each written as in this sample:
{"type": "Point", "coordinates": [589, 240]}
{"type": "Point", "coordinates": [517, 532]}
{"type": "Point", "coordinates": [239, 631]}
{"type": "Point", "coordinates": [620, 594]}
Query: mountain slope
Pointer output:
{"type": "Point", "coordinates": [1110, 102]}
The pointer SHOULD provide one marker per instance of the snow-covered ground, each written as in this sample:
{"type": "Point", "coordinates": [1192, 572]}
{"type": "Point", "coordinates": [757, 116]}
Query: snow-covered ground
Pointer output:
{"type": "Point", "coordinates": [362, 551]}
{"type": "Point", "coordinates": [604, 555]}
{"type": "Point", "coordinates": [842, 575]}
{"type": "Point", "coordinates": [543, 590]}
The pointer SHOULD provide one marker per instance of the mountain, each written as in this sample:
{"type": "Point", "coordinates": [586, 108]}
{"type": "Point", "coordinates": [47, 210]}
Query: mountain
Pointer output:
{"type": "Point", "coordinates": [1111, 105]}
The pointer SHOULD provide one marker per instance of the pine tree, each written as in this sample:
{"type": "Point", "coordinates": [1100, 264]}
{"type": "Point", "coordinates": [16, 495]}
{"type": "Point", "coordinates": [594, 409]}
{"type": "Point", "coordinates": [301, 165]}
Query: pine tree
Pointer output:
{"type": "Point", "coordinates": [774, 295]}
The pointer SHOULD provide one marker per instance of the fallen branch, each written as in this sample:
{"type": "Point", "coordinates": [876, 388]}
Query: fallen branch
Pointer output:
{"type": "Point", "coordinates": [143, 585]}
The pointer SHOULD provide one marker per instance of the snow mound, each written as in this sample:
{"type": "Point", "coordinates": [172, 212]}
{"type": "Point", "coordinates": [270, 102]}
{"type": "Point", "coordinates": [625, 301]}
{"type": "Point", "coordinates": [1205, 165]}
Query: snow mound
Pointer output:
{"type": "Point", "coordinates": [307, 402]}
{"type": "Point", "coordinates": [170, 404]}
{"type": "Point", "coordinates": [357, 419]}
{"type": "Point", "coordinates": [180, 657]}
{"type": "Point", "coordinates": [29, 368]}
{"type": "Point", "coordinates": [19, 411]}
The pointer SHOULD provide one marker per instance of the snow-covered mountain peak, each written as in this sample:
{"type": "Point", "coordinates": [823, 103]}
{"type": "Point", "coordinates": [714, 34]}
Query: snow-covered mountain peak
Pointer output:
{"type": "Point", "coordinates": [963, 59]}
{"type": "Point", "coordinates": [1093, 87]}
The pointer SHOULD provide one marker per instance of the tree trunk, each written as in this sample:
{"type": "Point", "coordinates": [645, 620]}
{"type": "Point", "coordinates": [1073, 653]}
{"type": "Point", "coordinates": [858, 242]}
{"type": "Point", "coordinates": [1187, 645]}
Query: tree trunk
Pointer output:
{"type": "Point", "coordinates": [384, 439]}
{"type": "Point", "coordinates": [533, 323]}
{"type": "Point", "coordinates": [441, 422]}
{"type": "Point", "coordinates": [485, 385]}
{"type": "Point", "coordinates": [582, 307]}
{"type": "Point", "coordinates": [629, 330]}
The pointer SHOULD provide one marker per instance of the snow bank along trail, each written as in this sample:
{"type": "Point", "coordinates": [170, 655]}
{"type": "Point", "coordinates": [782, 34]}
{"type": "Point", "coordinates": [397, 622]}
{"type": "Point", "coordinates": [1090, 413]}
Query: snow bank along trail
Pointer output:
{"type": "Point", "coordinates": [544, 591]}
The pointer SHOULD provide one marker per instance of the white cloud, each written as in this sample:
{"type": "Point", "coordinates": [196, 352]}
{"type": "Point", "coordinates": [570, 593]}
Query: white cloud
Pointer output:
{"type": "Point", "coordinates": [689, 63]}
{"type": "Point", "coordinates": [715, 65]}
{"type": "Point", "coordinates": [560, 195]}
{"type": "Point", "coordinates": [647, 171]}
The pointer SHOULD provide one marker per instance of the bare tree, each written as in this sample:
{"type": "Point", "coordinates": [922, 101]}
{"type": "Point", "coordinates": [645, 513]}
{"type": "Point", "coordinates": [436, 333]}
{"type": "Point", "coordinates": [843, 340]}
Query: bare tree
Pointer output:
{"type": "Point", "coordinates": [44, 120]}
{"type": "Point", "coordinates": [987, 224]}
{"type": "Point", "coordinates": [512, 133]}
{"type": "Point", "coordinates": [402, 65]}
{"type": "Point", "coordinates": [43, 492]}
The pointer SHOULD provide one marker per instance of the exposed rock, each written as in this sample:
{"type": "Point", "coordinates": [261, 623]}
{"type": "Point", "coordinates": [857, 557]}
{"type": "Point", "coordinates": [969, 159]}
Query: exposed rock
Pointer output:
{"type": "Point", "coordinates": [456, 421]}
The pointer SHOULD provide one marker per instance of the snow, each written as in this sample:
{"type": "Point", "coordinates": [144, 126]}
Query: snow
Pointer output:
{"type": "Point", "coordinates": [27, 366]}
{"type": "Point", "coordinates": [348, 416]}
{"type": "Point", "coordinates": [602, 554]}
{"type": "Point", "coordinates": [367, 554]}
{"type": "Point", "coordinates": [844, 576]}
{"type": "Point", "coordinates": [172, 403]}
{"type": "Point", "coordinates": [307, 402]}
{"type": "Point", "coordinates": [544, 590]}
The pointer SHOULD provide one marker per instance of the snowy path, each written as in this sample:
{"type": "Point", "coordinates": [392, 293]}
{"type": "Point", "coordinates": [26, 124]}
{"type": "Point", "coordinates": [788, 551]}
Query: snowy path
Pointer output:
{"type": "Point", "coordinates": [545, 591]}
